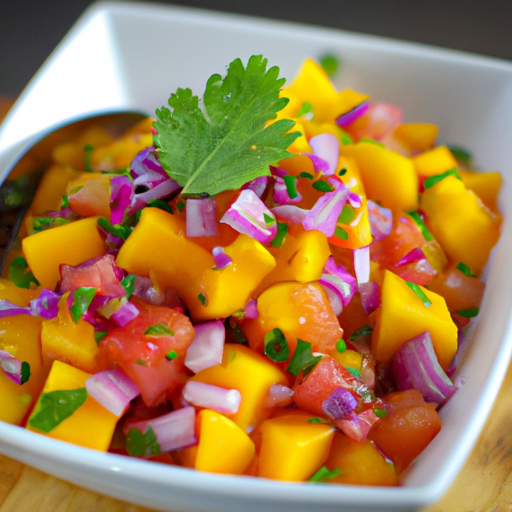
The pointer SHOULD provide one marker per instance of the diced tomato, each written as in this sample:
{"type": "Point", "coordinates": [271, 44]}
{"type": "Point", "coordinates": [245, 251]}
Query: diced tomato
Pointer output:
{"type": "Point", "coordinates": [98, 273]}
{"type": "Point", "coordinates": [407, 429]}
{"type": "Point", "coordinates": [144, 356]}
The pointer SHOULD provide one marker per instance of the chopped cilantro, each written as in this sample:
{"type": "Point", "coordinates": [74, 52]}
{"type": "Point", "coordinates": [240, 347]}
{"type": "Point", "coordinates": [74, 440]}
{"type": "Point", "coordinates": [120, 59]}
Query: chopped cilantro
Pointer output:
{"type": "Point", "coordinates": [202, 299]}
{"type": "Point", "coordinates": [342, 171]}
{"type": "Point", "coordinates": [227, 142]}
{"type": "Point", "coordinates": [344, 137]}
{"type": "Point", "coordinates": [128, 283]}
{"type": "Point", "coordinates": [306, 175]}
{"type": "Point", "coordinates": [420, 293]}
{"type": "Point", "coordinates": [317, 420]}
{"type": "Point", "coordinates": [365, 330]}
{"type": "Point", "coordinates": [322, 186]}
{"type": "Point", "coordinates": [276, 346]}
{"type": "Point", "coordinates": [180, 205]}
{"type": "Point", "coordinates": [461, 155]}
{"type": "Point", "coordinates": [282, 231]}
{"type": "Point", "coordinates": [432, 180]}
{"type": "Point", "coordinates": [171, 355]}
{"type": "Point", "coordinates": [82, 298]}
{"type": "Point", "coordinates": [269, 220]}
{"type": "Point", "coordinates": [19, 273]}
{"type": "Point", "coordinates": [468, 312]}
{"type": "Point", "coordinates": [302, 358]}
{"type": "Point", "coordinates": [160, 203]}
{"type": "Point", "coordinates": [347, 215]}
{"type": "Point", "coordinates": [159, 329]}
{"type": "Point", "coordinates": [305, 110]}
{"type": "Point", "coordinates": [117, 230]}
{"type": "Point", "coordinates": [380, 413]}
{"type": "Point", "coordinates": [54, 407]}
{"type": "Point", "coordinates": [99, 335]}
{"type": "Point", "coordinates": [140, 444]}
{"type": "Point", "coordinates": [25, 372]}
{"type": "Point", "coordinates": [65, 201]}
{"type": "Point", "coordinates": [324, 474]}
{"type": "Point", "coordinates": [465, 269]}
{"type": "Point", "coordinates": [340, 233]}
{"type": "Point", "coordinates": [354, 371]}
{"type": "Point", "coordinates": [416, 217]}
{"type": "Point", "coordinates": [291, 188]}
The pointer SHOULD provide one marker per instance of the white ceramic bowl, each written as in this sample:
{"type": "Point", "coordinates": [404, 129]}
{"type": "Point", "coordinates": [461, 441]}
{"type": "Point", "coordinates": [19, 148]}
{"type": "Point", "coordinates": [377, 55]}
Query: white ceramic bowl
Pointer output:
{"type": "Point", "coordinates": [132, 56]}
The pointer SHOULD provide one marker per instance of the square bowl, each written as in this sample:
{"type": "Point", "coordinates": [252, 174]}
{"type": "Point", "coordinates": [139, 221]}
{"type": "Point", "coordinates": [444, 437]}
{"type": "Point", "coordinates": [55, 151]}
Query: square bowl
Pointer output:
{"type": "Point", "coordinates": [131, 56]}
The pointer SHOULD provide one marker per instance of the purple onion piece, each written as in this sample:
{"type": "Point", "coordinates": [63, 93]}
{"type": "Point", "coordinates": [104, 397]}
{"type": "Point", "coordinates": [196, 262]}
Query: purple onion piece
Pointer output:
{"type": "Point", "coordinates": [221, 259]}
{"type": "Point", "coordinates": [338, 278]}
{"type": "Point", "coordinates": [257, 185]}
{"type": "Point", "coordinates": [207, 347]}
{"type": "Point", "coordinates": [290, 213]}
{"type": "Point", "coordinates": [415, 366]}
{"type": "Point", "coordinates": [126, 312]}
{"type": "Point", "coordinates": [121, 194]}
{"type": "Point", "coordinates": [201, 217]}
{"type": "Point", "coordinates": [412, 256]}
{"type": "Point", "coordinates": [353, 114]}
{"type": "Point", "coordinates": [326, 149]}
{"type": "Point", "coordinates": [370, 296]}
{"type": "Point", "coordinates": [251, 309]}
{"type": "Point", "coordinates": [200, 394]}
{"type": "Point", "coordinates": [9, 309]}
{"type": "Point", "coordinates": [281, 195]}
{"type": "Point", "coordinates": [46, 305]}
{"type": "Point", "coordinates": [354, 200]}
{"type": "Point", "coordinates": [362, 264]}
{"type": "Point", "coordinates": [339, 403]}
{"type": "Point", "coordinates": [381, 220]}
{"type": "Point", "coordinates": [12, 368]}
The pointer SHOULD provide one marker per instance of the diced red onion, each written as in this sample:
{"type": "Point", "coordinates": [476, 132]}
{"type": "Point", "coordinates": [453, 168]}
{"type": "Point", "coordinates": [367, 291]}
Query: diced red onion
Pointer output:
{"type": "Point", "coordinates": [251, 309]}
{"type": "Point", "coordinates": [201, 217]}
{"type": "Point", "coordinates": [370, 296]}
{"type": "Point", "coordinates": [279, 396]}
{"type": "Point", "coordinates": [160, 191]}
{"type": "Point", "coordinates": [412, 256]}
{"type": "Point", "coordinates": [381, 220]}
{"type": "Point", "coordinates": [319, 164]}
{"type": "Point", "coordinates": [46, 304]}
{"type": "Point", "coordinates": [362, 264]}
{"type": "Point", "coordinates": [207, 347]}
{"type": "Point", "coordinates": [281, 195]}
{"type": "Point", "coordinates": [121, 194]}
{"type": "Point", "coordinates": [173, 431]}
{"type": "Point", "coordinates": [277, 171]}
{"type": "Point", "coordinates": [324, 214]}
{"type": "Point", "coordinates": [220, 258]}
{"type": "Point", "coordinates": [9, 309]}
{"type": "Point", "coordinates": [337, 278]}
{"type": "Point", "coordinates": [339, 403]}
{"type": "Point", "coordinates": [249, 215]}
{"type": "Point", "coordinates": [11, 366]}
{"type": "Point", "coordinates": [354, 200]}
{"type": "Point", "coordinates": [126, 312]}
{"type": "Point", "coordinates": [415, 366]}
{"type": "Point", "coordinates": [333, 294]}
{"type": "Point", "coordinates": [113, 389]}
{"type": "Point", "coordinates": [257, 185]}
{"type": "Point", "coordinates": [357, 426]}
{"type": "Point", "coordinates": [326, 147]}
{"type": "Point", "coordinates": [200, 394]}
{"type": "Point", "coordinates": [353, 114]}
{"type": "Point", "coordinates": [289, 213]}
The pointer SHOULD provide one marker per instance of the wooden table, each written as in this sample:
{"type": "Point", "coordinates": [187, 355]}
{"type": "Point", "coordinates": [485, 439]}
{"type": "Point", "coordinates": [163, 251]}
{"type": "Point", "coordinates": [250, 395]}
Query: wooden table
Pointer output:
{"type": "Point", "coordinates": [485, 483]}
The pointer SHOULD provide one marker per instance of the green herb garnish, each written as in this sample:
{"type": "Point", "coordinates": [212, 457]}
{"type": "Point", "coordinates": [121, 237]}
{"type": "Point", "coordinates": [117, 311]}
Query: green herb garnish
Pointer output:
{"type": "Point", "coordinates": [54, 407]}
{"type": "Point", "coordinates": [416, 217]}
{"type": "Point", "coordinates": [159, 329]}
{"type": "Point", "coordinates": [329, 63]}
{"type": "Point", "coordinates": [324, 474]}
{"type": "Point", "coordinates": [19, 273]}
{"type": "Point", "coordinates": [302, 358]}
{"type": "Point", "coordinates": [202, 299]}
{"type": "Point", "coordinates": [117, 230]}
{"type": "Point", "coordinates": [432, 180]}
{"type": "Point", "coordinates": [420, 293]}
{"type": "Point", "coordinates": [465, 269]}
{"type": "Point", "coordinates": [99, 335]}
{"type": "Point", "coordinates": [229, 143]}
{"type": "Point", "coordinates": [88, 149]}
{"type": "Point", "coordinates": [468, 312]}
{"type": "Point", "coordinates": [322, 186]}
{"type": "Point", "coordinates": [340, 233]}
{"type": "Point", "coordinates": [276, 346]}
{"type": "Point", "coordinates": [365, 330]}
{"type": "Point", "coordinates": [282, 231]}
{"type": "Point", "coordinates": [380, 413]}
{"type": "Point", "coordinates": [140, 444]}
{"type": "Point", "coordinates": [82, 298]}
{"type": "Point", "coordinates": [341, 346]}
{"type": "Point", "coordinates": [171, 355]}
{"type": "Point", "coordinates": [128, 283]}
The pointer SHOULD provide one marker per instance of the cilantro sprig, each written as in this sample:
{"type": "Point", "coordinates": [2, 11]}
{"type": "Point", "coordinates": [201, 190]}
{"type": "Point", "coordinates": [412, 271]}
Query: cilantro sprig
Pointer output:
{"type": "Point", "coordinates": [229, 143]}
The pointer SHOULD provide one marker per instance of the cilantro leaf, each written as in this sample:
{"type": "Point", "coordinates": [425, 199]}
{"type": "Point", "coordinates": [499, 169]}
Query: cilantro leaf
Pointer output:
{"type": "Point", "coordinates": [302, 358]}
{"type": "Point", "coordinates": [19, 273]}
{"type": "Point", "coordinates": [54, 407]}
{"type": "Point", "coordinates": [140, 444]}
{"type": "Point", "coordinates": [159, 329]}
{"type": "Point", "coordinates": [229, 144]}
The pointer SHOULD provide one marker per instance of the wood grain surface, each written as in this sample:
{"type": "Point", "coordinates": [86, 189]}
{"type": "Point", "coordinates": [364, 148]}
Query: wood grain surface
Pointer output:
{"type": "Point", "coordinates": [484, 484]}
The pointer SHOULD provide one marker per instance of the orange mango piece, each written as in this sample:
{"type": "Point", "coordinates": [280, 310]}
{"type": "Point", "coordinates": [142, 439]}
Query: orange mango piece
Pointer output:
{"type": "Point", "coordinates": [89, 195]}
{"type": "Point", "coordinates": [300, 310]}
{"type": "Point", "coordinates": [252, 374]}
{"type": "Point", "coordinates": [403, 315]}
{"type": "Point", "coordinates": [90, 425]}
{"type": "Point", "coordinates": [360, 463]}
{"type": "Point", "coordinates": [486, 185]}
{"type": "Point", "coordinates": [158, 243]}
{"type": "Point", "coordinates": [68, 244]}
{"type": "Point", "coordinates": [292, 449]}
{"type": "Point", "coordinates": [70, 342]}
{"type": "Point", "coordinates": [349, 358]}
{"type": "Point", "coordinates": [388, 177]}
{"type": "Point", "coordinates": [416, 136]}
{"type": "Point", "coordinates": [434, 161]}
{"type": "Point", "coordinates": [460, 222]}
{"type": "Point", "coordinates": [223, 446]}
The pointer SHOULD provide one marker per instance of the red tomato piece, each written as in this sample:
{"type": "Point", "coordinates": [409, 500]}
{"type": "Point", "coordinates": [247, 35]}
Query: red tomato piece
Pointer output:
{"type": "Point", "coordinates": [407, 429]}
{"type": "Point", "coordinates": [98, 273]}
{"type": "Point", "coordinates": [154, 362]}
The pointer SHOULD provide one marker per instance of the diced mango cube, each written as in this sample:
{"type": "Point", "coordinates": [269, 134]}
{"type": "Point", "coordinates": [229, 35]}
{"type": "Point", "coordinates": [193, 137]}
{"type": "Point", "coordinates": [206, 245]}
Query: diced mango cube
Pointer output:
{"type": "Point", "coordinates": [485, 185]}
{"type": "Point", "coordinates": [90, 425]}
{"type": "Point", "coordinates": [434, 161]}
{"type": "Point", "coordinates": [252, 374]}
{"type": "Point", "coordinates": [68, 244]}
{"type": "Point", "coordinates": [416, 136]}
{"type": "Point", "coordinates": [403, 315]}
{"type": "Point", "coordinates": [223, 446]}
{"type": "Point", "coordinates": [292, 448]}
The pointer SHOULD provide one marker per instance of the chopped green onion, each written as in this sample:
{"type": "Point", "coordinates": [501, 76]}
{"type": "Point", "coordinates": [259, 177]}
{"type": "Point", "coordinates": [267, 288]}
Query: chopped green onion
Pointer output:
{"type": "Point", "coordinates": [317, 420]}
{"type": "Point", "coordinates": [340, 233]}
{"type": "Point", "coordinates": [25, 372]}
{"type": "Point", "coordinates": [302, 358]}
{"type": "Point", "coordinates": [180, 205]}
{"type": "Point", "coordinates": [342, 171]}
{"type": "Point", "coordinates": [160, 203]}
{"type": "Point", "coordinates": [291, 188]}
{"type": "Point", "coordinates": [345, 138]}
{"type": "Point", "coordinates": [269, 220]}
{"type": "Point", "coordinates": [432, 180]}
{"type": "Point", "coordinates": [65, 201]}
{"type": "Point", "coordinates": [276, 346]}
{"type": "Point", "coordinates": [461, 155]}
{"type": "Point", "coordinates": [420, 293]}
{"type": "Point", "coordinates": [159, 329]}
{"type": "Point", "coordinates": [465, 269]}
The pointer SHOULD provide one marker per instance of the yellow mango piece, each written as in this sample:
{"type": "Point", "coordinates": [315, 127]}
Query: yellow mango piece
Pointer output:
{"type": "Point", "coordinates": [223, 446]}
{"type": "Point", "coordinates": [117, 155]}
{"type": "Point", "coordinates": [403, 315]}
{"type": "Point", "coordinates": [359, 463]}
{"type": "Point", "coordinates": [158, 244]}
{"type": "Point", "coordinates": [486, 185]}
{"type": "Point", "coordinates": [460, 222]}
{"type": "Point", "coordinates": [434, 161]}
{"type": "Point", "coordinates": [349, 358]}
{"type": "Point", "coordinates": [69, 244]}
{"type": "Point", "coordinates": [70, 342]}
{"type": "Point", "coordinates": [90, 425]}
{"type": "Point", "coordinates": [252, 374]}
{"type": "Point", "coordinates": [388, 177]}
{"type": "Point", "coordinates": [301, 258]}
{"type": "Point", "coordinates": [416, 136]}
{"type": "Point", "coordinates": [291, 448]}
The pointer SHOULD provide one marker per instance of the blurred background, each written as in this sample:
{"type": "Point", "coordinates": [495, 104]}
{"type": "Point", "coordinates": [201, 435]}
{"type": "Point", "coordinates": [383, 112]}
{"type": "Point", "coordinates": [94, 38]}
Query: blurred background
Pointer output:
{"type": "Point", "coordinates": [30, 29]}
